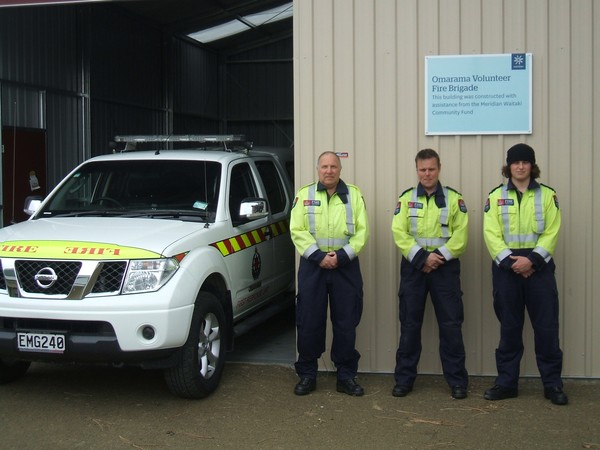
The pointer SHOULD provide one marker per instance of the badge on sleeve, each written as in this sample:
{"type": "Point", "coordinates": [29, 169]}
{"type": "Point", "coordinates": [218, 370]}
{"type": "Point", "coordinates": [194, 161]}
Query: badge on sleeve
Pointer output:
{"type": "Point", "coordinates": [397, 210]}
{"type": "Point", "coordinates": [486, 208]}
{"type": "Point", "coordinates": [556, 201]}
{"type": "Point", "coordinates": [461, 205]}
{"type": "Point", "coordinates": [294, 203]}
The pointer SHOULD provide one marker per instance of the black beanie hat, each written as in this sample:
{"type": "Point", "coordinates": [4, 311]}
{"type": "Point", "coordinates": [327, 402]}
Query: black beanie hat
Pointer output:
{"type": "Point", "coordinates": [520, 152]}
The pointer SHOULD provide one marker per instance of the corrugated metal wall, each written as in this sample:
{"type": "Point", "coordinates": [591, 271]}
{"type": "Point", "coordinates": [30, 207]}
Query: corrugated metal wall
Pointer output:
{"type": "Point", "coordinates": [43, 34]}
{"type": "Point", "coordinates": [127, 77]}
{"type": "Point", "coordinates": [196, 90]}
{"type": "Point", "coordinates": [358, 88]}
{"type": "Point", "coordinates": [259, 92]}
{"type": "Point", "coordinates": [46, 82]}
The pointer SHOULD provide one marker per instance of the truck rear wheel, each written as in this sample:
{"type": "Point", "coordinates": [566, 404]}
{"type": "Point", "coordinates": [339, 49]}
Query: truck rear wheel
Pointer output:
{"type": "Point", "coordinates": [11, 370]}
{"type": "Point", "coordinates": [202, 358]}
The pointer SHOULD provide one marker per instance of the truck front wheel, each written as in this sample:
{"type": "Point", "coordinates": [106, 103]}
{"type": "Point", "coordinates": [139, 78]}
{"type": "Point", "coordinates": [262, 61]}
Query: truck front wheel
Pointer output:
{"type": "Point", "coordinates": [202, 358]}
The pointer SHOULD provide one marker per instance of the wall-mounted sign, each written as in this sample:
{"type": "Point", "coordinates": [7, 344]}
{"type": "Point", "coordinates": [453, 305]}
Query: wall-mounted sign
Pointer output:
{"type": "Point", "coordinates": [478, 94]}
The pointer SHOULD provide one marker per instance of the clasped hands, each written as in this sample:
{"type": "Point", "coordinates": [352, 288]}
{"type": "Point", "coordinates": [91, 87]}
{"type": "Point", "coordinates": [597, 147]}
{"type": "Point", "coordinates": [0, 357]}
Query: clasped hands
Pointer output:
{"type": "Point", "coordinates": [522, 266]}
{"type": "Point", "coordinates": [433, 261]}
{"type": "Point", "coordinates": [329, 262]}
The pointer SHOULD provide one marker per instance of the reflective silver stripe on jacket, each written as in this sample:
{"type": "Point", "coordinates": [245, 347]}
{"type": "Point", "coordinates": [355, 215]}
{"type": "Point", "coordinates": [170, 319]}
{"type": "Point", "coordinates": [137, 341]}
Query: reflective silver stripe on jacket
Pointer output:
{"type": "Point", "coordinates": [349, 221]}
{"type": "Point", "coordinates": [511, 239]}
{"type": "Point", "coordinates": [430, 241]}
{"type": "Point", "coordinates": [312, 226]}
{"type": "Point", "coordinates": [329, 242]}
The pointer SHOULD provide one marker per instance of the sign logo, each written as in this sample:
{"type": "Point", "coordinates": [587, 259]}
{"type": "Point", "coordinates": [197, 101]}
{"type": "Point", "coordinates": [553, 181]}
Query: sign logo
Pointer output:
{"type": "Point", "coordinates": [519, 62]}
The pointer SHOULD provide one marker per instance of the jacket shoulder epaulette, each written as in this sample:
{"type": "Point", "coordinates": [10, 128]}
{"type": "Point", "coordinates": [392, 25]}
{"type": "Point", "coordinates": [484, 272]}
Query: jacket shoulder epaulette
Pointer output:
{"type": "Point", "coordinates": [496, 188]}
{"type": "Point", "coordinates": [353, 186]}
{"type": "Point", "coordinates": [407, 190]}
{"type": "Point", "coordinates": [453, 190]}
{"type": "Point", "coordinates": [549, 187]}
{"type": "Point", "coordinates": [306, 185]}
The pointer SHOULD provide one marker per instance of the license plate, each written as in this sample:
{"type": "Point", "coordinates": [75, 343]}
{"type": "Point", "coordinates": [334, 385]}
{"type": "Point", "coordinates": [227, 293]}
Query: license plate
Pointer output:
{"type": "Point", "coordinates": [41, 342]}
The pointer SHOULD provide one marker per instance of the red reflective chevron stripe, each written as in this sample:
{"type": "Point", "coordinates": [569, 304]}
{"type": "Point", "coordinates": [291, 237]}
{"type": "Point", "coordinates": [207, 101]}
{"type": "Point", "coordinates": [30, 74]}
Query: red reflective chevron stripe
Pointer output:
{"type": "Point", "coordinates": [246, 240]}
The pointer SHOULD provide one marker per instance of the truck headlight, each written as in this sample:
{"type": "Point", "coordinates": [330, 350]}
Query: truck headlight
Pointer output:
{"type": "Point", "coordinates": [149, 274]}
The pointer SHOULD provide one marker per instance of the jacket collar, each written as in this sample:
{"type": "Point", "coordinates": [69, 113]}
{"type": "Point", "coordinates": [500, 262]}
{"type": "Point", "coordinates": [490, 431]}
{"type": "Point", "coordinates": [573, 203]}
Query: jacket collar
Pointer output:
{"type": "Point", "coordinates": [438, 194]}
{"type": "Point", "coordinates": [438, 190]}
{"type": "Point", "coordinates": [532, 185]}
{"type": "Point", "coordinates": [341, 187]}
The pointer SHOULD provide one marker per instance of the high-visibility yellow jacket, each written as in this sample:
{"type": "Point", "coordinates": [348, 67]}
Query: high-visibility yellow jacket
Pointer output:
{"type": "Point", "coordinates": [424, 224]}
{"type": "Point", "coordinates": [322, 224]}
{"type": "Point", "coordinates": [531, 223]}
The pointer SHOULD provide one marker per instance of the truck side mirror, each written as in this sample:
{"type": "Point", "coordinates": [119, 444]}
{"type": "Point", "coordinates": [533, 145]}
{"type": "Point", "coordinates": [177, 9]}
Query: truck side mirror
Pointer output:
{"type": "Point", "coordinates": [32, 204]}
{"type": "Point", "coordinates": [253, 208]}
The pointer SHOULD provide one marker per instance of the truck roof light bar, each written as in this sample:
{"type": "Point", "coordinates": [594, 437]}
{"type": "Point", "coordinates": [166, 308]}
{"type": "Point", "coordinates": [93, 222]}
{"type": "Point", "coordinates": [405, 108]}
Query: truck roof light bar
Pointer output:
{"type": "Point", "coordinates": [212, 140]}
{"type": "Point", "coordinates": [201, 138]}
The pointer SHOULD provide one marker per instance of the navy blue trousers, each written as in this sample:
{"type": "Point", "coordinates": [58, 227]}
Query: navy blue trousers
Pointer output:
{"type": "Point", "coordinates": [539, 295]}
{"type": "Point", "coordinates": [342, 290]}
{"type": "Point", "coordinates": [443, 285]}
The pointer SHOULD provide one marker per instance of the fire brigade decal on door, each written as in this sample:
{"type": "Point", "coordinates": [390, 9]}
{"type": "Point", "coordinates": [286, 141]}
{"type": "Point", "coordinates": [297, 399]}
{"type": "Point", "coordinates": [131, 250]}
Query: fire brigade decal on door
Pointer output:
{"type": "Point", "coordinates": [256, 265]}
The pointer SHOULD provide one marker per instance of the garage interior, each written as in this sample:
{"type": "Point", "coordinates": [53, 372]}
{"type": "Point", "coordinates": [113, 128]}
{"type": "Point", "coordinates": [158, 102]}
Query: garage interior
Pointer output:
{"type": "Point", "coordinates": [271, 343]}
{"type": "Point", "coordinates": [75, 74]}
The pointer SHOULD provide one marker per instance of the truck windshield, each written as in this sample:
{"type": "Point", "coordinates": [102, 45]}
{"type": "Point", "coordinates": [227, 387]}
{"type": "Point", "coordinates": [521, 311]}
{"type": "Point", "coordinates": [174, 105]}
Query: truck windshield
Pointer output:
{"type": "Point", "coordinates": [143, 187]}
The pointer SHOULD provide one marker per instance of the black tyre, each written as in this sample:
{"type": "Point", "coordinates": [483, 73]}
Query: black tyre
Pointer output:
{"type": "Point", "coordinates": [202, 358]}
{"type": "Point", "coordinates": [11, 370]}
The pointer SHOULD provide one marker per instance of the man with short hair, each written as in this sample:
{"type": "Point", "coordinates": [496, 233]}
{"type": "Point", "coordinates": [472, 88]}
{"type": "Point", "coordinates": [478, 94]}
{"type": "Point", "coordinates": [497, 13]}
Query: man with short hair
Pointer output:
{"type": "Point", "coordinates": [430, 227]}
{"type": "Point", "coordinates": [329, 228]}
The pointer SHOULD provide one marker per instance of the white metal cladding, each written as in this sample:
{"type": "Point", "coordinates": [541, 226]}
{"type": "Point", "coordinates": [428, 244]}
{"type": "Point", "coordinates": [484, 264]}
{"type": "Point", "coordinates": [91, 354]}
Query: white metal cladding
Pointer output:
{"type": "Point", "coordinates": [358, 88]}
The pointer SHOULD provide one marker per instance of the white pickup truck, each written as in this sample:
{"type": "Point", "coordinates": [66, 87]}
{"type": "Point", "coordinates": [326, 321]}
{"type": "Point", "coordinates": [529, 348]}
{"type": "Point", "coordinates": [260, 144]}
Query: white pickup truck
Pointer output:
{"type": "Point", "coordinates": [148, 258]}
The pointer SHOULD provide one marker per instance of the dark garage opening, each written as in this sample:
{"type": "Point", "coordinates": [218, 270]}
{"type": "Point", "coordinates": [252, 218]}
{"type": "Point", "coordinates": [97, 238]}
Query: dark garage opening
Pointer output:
{"type": "Point", "coordinates": [273, 342]}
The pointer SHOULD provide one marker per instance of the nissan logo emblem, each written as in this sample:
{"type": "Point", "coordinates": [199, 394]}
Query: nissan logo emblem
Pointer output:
{"type": "Point", "coordinates": [45, 277]}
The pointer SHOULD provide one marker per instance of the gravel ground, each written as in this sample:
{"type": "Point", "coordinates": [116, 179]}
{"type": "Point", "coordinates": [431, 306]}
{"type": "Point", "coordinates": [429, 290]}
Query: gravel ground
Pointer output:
{"type": "Point", "coordinates": [59, 406]}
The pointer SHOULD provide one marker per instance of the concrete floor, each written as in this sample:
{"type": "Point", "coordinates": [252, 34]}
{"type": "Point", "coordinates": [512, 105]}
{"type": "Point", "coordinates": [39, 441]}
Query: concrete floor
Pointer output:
{"type": "Point", "coordinates": [273, 342]}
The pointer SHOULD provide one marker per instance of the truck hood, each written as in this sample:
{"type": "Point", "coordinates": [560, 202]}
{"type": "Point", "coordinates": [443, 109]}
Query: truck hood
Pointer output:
{"type": "Point", "coordinates": [152, 236]}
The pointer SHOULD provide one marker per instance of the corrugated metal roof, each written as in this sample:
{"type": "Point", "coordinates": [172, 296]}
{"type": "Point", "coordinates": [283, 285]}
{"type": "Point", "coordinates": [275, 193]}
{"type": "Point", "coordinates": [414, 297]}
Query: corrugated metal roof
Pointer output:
{"type": "Point", "coordinates": [185, 17]}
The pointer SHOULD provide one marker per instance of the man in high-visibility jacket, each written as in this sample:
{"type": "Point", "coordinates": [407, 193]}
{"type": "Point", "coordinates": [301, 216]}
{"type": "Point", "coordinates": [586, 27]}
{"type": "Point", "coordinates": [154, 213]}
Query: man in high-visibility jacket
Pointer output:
{"type": "Point", "coordinates": [329, 228]}
{"type": "Point", "coordinates": [430, 226]}
{"type": "Point", "coordinates": [520, 227]}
